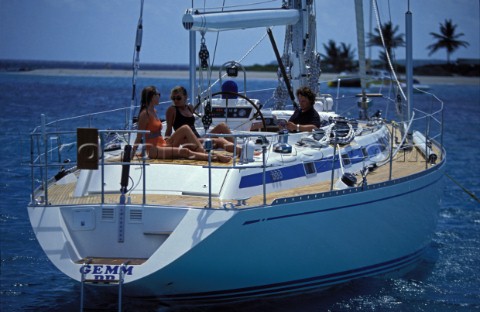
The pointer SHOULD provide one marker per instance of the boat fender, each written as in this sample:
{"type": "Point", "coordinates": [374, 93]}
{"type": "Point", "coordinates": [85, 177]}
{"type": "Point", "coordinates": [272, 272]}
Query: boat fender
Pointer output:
{"type": "Point", "coordinates": [425, 146]}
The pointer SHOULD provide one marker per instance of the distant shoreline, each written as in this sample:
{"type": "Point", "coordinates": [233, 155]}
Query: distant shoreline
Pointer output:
{"type": "Point", "coordinates": [429, 80]}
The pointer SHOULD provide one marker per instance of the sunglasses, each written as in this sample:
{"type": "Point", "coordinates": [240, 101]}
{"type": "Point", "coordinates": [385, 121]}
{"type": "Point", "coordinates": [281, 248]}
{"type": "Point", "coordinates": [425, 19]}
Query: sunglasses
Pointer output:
{"type": "Point", "coordinates": [176, 98]}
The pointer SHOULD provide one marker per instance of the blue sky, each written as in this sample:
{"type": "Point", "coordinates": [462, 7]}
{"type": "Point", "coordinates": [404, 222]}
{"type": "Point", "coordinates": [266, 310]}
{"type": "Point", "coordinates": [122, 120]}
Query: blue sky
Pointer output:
{"type": "Point", "coordinates": [104, 30]}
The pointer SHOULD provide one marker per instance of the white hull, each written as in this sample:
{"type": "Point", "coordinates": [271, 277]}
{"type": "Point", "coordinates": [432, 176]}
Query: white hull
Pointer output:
{"type": "Point", "coordinates": [296, 212]}
{"type": "Point", "coordinates": [223, 255]}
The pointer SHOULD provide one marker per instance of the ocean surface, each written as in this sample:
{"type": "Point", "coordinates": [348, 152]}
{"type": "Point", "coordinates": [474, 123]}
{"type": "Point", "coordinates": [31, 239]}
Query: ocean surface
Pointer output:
{"type": "Point", "coordinates": [448, 278]}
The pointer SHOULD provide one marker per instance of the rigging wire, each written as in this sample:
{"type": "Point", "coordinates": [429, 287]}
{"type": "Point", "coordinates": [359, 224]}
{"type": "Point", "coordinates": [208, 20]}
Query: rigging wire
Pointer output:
{"type": "Point", "coordinates": [136, 66]}
{"type": "Point", "coordinates": [248, 52]}
{"type": "Point", "coordinates": [392, 70]}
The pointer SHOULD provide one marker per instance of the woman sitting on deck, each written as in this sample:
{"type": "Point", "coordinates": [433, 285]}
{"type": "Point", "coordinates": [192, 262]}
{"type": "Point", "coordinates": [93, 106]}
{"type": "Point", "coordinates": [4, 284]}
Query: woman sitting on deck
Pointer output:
{"type": "Point", "coordinates": [182, 144]}
{"type": "Point", "coordinates": [181, 114]}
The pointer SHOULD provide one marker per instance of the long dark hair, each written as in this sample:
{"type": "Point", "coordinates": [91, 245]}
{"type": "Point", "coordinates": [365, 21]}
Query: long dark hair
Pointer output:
{"type": "Point", "coordinates": [147, 94]}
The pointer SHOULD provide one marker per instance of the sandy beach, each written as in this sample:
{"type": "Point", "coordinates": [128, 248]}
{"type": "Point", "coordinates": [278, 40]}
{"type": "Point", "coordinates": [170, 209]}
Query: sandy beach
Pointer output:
{"type": "Point", "coordinates": [429, 80]}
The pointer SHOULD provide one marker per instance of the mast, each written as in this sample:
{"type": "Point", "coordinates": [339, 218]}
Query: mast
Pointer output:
{"type": "Point", "coordinates": [300, 59]}
{"type": "Point", "coordinates": [361, 57]}
{"type": "Point", "coordinates": [409, 57]}
{"type": "Point", "coordinates": [304, 66]}
{"type": "Point", "coordinates": [361, 43]}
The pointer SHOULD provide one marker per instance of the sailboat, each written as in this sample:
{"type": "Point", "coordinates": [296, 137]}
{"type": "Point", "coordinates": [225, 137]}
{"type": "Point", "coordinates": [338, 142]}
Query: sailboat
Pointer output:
{"type": "Point", "coordinates": [295, 212]}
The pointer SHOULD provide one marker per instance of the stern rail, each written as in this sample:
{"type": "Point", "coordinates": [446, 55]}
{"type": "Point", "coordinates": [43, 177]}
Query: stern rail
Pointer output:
{"type": "Point", "coordinates": [51, 166]}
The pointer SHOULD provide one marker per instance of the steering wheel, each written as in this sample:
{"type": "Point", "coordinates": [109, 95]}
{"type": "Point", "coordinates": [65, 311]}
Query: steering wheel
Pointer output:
{"type": "Point", "coordinates": [235, 94]}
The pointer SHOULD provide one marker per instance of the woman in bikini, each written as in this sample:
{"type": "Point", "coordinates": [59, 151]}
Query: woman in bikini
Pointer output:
{"type": "Point", "coordinates": [182, 144]}
{"type": "Point", "coordinates": [181, 113]}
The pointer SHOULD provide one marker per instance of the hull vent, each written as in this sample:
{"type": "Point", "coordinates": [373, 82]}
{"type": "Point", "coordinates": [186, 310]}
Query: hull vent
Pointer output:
{"type": "Point", "coordinates": [136, 215]}
{"type": "Point", "coordinates": [108, 214]}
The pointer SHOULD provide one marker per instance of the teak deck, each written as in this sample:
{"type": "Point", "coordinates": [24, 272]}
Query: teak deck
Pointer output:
{"type": "Point", "coordinates": [405, 163]}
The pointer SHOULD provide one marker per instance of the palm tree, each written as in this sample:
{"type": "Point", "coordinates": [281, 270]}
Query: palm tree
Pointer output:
{"type": "Point", "coordinates": [392, 40]}
{"type": "Point", "coordinates": [339, 57]}
{"type": "Point", "coordinates": [347, 54]}
{"type": "Point", "coordinates": [447, 39]}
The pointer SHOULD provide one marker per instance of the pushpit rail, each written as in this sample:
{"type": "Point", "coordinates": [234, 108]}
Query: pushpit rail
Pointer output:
{"type": "Point", "coordinates": [46, 170]}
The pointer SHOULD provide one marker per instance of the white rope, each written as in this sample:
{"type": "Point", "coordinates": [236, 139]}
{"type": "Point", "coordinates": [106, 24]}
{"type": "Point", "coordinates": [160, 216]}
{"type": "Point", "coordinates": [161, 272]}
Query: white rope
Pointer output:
{"type": "Point", "coordinates": [346, 139]}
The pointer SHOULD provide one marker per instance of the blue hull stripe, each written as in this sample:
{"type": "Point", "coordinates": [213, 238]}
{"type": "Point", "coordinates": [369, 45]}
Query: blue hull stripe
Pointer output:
{"type": "Point", "coordinates": [297, 285]}
{"type": "Point", "coordinates": [297, 170]}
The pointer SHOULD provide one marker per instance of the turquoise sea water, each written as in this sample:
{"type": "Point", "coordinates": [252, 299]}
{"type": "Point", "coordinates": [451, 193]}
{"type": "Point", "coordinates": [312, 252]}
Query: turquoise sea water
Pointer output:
{"type": "Point", "coordinates": [448, 279]}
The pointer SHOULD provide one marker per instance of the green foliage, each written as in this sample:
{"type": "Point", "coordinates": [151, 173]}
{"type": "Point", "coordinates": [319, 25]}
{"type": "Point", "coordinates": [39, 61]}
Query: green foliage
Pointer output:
{"type": "Point", "coordinates": [339, 58]}
{"type": "Point", "coordinates": [390, 37]}
{"type": "Point", "coordinates": [447, 39]}
{"type": "Point", "coordinates": [265, 68]}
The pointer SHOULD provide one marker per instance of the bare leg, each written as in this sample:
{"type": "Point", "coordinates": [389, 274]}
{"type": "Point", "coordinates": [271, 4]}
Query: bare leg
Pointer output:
{"type": "Point", "coordinates": [185, 136]}
{"type": "Point", "coordinates": [221, 158]}
{"type": "Point", "coordinates": [227, 145]}
{"type": "Point", "coordinates": [164, 152]}
{"type": "Point", "coordinates": [186, 153]}
{"type": "Point", "coordinates": [168, 152]}
{"type": "Point", "coordinates": [222, 128]}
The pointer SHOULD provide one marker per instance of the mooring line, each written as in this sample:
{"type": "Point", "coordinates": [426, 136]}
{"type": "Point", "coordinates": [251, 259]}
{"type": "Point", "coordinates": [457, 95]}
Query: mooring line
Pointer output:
{"type": "Point", "coordinates": [464, 189]}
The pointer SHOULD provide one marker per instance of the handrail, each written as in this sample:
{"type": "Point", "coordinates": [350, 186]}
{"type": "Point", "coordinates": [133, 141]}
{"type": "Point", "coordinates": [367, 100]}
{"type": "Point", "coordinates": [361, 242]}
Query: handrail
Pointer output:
{"type": "Point", "coordinates": [41, 161]}
{"type": "Point", "coordinates": [82, 282]}
{"type": "Point", "coordinates": [235, 137]}
{"type": "Point", "coordinates": [43, 166]}
{"type": "Point", "coordinates": [121, 278]}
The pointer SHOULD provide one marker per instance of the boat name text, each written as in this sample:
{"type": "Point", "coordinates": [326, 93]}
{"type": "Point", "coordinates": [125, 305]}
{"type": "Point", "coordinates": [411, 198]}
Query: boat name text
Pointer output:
{"type": "Point", "coordinates": [106, 272]}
